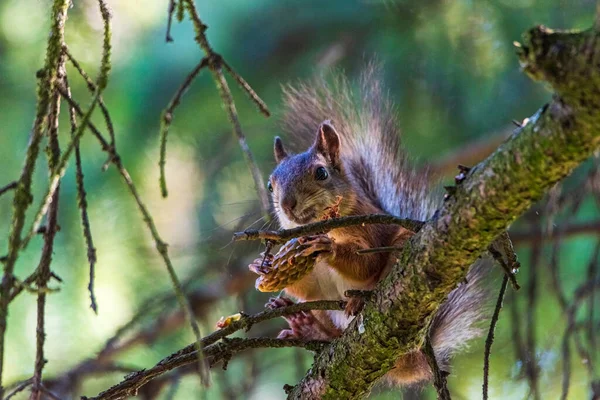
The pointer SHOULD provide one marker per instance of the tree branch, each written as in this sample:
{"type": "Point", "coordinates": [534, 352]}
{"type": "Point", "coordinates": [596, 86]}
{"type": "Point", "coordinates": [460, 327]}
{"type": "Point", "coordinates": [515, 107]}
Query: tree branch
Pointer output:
{"type": "Point", "coordinates": [23, 197]}
{"type": "Point", "coordinates": [43, 269]}
{"type": "Point", "coordinates": [215, 63]}
{"type": "Point", "coordinates": [6, 188]}
{"type": "Point", "coordinates": [284, 235]}
{"type": "Point", "coordinates": [218, 352]}
{"type": "Point", "coordinates": [222, 351]}
{"type": "Point", "coordinates": [554, 141]}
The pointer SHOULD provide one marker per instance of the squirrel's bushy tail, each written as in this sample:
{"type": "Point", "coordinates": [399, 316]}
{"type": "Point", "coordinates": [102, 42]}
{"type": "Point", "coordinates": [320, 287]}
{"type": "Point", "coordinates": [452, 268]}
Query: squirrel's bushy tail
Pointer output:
{"type": "Point", "coordinates": [459, 319]}
{"type": "Point", "coordinates": [365, 118]}
{"type": "Point", "coordinates": [457, 322]}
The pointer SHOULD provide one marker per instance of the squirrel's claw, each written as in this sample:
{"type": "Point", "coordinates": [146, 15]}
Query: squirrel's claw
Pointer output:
{"type": "Point", "coordinates": [286, 334]}
{"type": "Point", "coordinates": [316, 244]}
{"type": "Point", "coordinates": [314, 239]}
{"type": "Point", "coordinates": [302, 325]}
{"type": "Point", "coordinates": [278, 302]}
{"type": "Point", "coordinates": [262, 265]}
{"type": "Point", "coordinates": [354, 306]}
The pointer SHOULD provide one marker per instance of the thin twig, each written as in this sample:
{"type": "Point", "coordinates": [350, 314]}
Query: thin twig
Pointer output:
{"type": "Point", "coordinates": [58, 173]}
{"type": "Point", "coordinates": [555, 271]}
{"type": "Point", "coordinates": [167, 118]}
{"type": "Point", "coordinates": [180, 11]}
{"type": "Point", "coordinates": [95, 131]}
{"type": "Point", "coordinates": [105, 65]}
{"type": "Point", "coordinates": [592, 273]}
{"type": "Point", "coordinates": [582, 292]}
{"type": "Point", "coordinates": [22, 386]}
{"type": "Point", "coordinates": [19, 286]}
{"type": "Point", "coordinates": [44, 274]}
{"type": "Point", "coordinates": [245, 86]}
{"type": "Point", "coordinates": [82, 204]}
{"type": "Point", "coordinates": [440, 381]}
{"type": "Point", "coordinates": [227, 99]}
{"type": "Point", "coordinates": [325, 226]}
{"type": "Point", "coordinates": [171, 11]}
{"type": "Point", "coordinates": [216, 64]}
{"type": "Point", "coordinates": [583, 228]}
{"type": "Point", "coordinates": [509, 269]}
{"type": "Point", "coordinates": [10, 186]}
{"type": "Point", "coordinates": [490, 336]}
{"type": "Point", "coordinates": [531, 366]}
{"type": "Point", "coordinates": [92, 88]}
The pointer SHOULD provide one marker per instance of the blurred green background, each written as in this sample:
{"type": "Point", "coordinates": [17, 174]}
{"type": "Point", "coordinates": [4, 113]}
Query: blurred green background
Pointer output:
{"type": "Point", "coordinates": [449, 65]}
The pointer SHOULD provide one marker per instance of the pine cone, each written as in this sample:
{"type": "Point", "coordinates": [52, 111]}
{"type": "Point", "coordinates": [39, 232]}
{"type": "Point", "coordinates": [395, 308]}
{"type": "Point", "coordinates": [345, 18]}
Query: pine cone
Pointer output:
{"type": "Point", "coordinates": [292, 262]}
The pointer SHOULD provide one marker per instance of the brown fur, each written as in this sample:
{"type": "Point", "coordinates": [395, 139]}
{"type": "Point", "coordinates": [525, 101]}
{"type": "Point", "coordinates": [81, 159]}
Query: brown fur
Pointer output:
{"type": "Point", "coordinates": [367, 168]}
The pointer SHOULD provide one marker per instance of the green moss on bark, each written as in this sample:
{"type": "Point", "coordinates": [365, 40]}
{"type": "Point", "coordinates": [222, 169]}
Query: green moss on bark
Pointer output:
{"type": "Point", "coordinates": [554, 141]}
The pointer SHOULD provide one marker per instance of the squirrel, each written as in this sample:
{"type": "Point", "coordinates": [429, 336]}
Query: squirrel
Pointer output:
{"type": "Point", "coordinates": [355, 161]}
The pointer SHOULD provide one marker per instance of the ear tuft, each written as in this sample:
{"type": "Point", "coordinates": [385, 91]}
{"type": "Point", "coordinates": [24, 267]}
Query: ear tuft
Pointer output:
{"type": "Point", "coordinates": [279, 150]}
{"type": "Point", "coordinates": [328, 143]}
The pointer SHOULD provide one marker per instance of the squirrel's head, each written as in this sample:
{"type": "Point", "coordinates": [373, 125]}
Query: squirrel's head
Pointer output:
{"type": "Point", "coordinates": [304, 185]}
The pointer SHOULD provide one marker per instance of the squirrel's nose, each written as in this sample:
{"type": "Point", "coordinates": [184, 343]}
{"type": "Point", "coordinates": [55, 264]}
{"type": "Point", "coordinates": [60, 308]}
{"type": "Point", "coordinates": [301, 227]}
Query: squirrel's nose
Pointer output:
{"type": "Point", "coordinates": [289, 203]}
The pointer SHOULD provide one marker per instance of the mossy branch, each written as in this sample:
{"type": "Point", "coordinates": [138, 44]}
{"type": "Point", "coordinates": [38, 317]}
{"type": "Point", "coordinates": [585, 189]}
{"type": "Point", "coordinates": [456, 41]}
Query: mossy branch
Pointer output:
{"type": "Point", "coordinates": [554, 141]}
{"type": "Point", "coordinates": [23, 197]}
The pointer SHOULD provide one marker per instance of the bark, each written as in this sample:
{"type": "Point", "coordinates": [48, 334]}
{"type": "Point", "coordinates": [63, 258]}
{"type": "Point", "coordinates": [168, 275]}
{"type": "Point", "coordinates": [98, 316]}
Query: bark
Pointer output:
{"type": "Point", "coordinates": [559, 137]}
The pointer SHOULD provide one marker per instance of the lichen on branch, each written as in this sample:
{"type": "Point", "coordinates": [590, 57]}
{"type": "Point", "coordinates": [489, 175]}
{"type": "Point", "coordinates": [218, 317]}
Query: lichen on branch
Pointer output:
{"type": "Point", "coordinates": [556, 140]}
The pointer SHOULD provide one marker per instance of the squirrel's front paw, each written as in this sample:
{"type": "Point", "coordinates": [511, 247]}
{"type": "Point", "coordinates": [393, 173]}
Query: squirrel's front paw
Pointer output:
{"type": "Point", "coordinates": [314, 245]}
{"type": "Point", "coordinates": [354, 306]}
{"type": "Point", "coordinates": [278, 302]}
{"type": "Point", "coordinates": [302, 325]}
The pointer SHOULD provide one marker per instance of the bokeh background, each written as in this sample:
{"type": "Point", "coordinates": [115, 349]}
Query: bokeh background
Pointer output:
{"type": "Point", "coordinates": [452, 70]}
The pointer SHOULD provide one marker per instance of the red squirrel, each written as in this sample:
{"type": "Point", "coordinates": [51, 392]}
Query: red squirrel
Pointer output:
{"type": "Point", "coordinates": [354, 154]}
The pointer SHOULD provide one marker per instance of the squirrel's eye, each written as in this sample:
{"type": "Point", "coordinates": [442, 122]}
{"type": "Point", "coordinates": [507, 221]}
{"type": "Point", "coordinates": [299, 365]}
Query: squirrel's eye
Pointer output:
{"type": "Point", "coordinates": [270, 187]}
{"type": "Point", "coordinates": [321, 174]}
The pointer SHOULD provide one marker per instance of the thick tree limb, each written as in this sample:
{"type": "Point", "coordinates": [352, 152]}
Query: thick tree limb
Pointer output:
{"type": "Point", "coordinates": [555, 140]}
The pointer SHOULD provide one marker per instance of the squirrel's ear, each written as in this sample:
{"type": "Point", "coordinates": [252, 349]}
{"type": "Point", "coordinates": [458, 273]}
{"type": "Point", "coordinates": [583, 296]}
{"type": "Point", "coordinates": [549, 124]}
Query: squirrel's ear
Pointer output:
{"type": "Point", "coordinates": [328, 143]}
{"type": "Point", "coordinates": [279, 150]}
